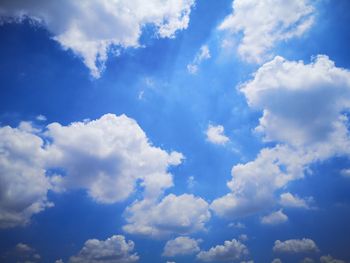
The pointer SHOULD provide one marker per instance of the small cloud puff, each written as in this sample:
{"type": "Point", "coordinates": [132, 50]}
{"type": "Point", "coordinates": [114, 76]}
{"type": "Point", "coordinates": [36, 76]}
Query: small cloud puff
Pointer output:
{"type": "Point", "coordinates": [215, 134]}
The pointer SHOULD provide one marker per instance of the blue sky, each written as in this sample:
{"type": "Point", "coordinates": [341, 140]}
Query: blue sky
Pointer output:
{"type": "Point", "coordinates": [174, 131]}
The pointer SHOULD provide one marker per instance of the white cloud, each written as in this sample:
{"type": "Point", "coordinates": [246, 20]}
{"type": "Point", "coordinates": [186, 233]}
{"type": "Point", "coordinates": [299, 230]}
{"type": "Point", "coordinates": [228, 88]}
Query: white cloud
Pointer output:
{"type": "Point", "coordinates": [191, 182]}
{"type": "Point", "coordinates": [22, 178]}
{"type": "Point", "coordinates": [294, 246]}
{"type": "Point", "coordinates": [163, 218]}
{"type": "Point", "coordinates": [243, 237]}
{"type": "Point", "coordinates": [330, 259]}
{"type": "Point", "coordinates": [289, 200]}
{"type": "Point", "coordinates": [107, 157]}
{"type": "Point", "coordinates": [112, 250]}
{"type": "Point", "coordinates": [276, 260]}
{"type": "Point", "coordinates": [253, 184]}
{"type": "Point", "coordinates": [119, 23]}
{"type": "Point", "coordinates": [181, 246]}
{"type": "Point", "coordinates": [23, 248]}
{"type": "Point", "coordinates": [41, 118]}
{"type": "Point", "coordinates": [263, 23]}
{"type": "Point", "coordinates": [274, 218]}
{"type": "Point", "coordinates": [215, 134]}
{"type": "Point", "coordinates": [345, 173]}
{"type": "Point", "coordinates": [284, 91]}
{"type": "Point", "coordinates": [230, 251]}
{"type": "Point", "coordinates": [203, 54]}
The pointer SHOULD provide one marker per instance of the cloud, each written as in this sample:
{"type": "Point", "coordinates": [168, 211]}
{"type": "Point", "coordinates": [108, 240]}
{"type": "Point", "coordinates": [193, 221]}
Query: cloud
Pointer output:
{"type": "Point", "coordinates": [237, 225]}
{"type": "Point", "coordinates": [203, 54]}
{"type": "Point", "coordinates": [21, 253]}
{"type": "Point", "coordinates": [243, 237]}
{"type": "Point", "coordinates": [181, 246]}
{"type": "Point", "coordinates": [215, 134]}
{"type": "Point", "coordinates": [276, 260]}
{"type": "Point", "coordinates": [330, 259]}
{"type": "Point", "coordinates": [274, 218]}
{"type": "Point", "coordinates": [40, 118]}
{"type": "Point", "coordinates": [231, 251]}
{"type": "Point", "coordinates": [23, 182]}
{"type": "Point", "coordinates": [345, 173]}
{"type": "Point", "coordinates": [112, 250]}
{"type": "Point", "coordinates": [284, 90]}
{"type": "Point", "coordinates": [159, 219]}
{"type": "Point", "coordinates": [289, 200]}
{"type": "Point", "coordinates": [307, 260]}
{"type": "Point", "coordinates": [119, 23]}
{"type": "Point", "coordinates": [295, 246]}
{"type": "Point", "coordinates": [264, 23]}
{"type": "Point", "coordinates": [253, 184]}
{"type": "Point", "coordinates": [23, 248]}
{"type": "Point", "coordinates": [107, 157]}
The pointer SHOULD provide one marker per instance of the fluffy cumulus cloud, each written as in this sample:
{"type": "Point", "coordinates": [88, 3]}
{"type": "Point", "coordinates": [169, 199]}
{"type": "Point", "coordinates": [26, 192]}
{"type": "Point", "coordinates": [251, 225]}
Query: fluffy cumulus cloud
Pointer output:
{"type": "Point", "coordinates": [263, 23]}
{"type": "Point", "coordinates": [274, 218]}
{"type": "Point", "coordinates": [23, 184]}
{"type": "Point", "coordinates": [290, 200]}
{"type": "Point", "coordinates": [295, 246]}
{"type": "Point", "coordinates": [330, 259]}
{"type": "Point", "coordinates": [112, 250]}
{"type": "Point", "coordinates": [119, 23]}
{"type": "Point", "coordinates": [284, 90]}
{"type": "Point", "coordinates": [182, 214]}
{"type": "Point", "coordinates": [254, 183]}
{"type": "Point", "coordinates": [216, 135]}
{"type": "Point", "coordinates": [203, 54]}
{"type": "Point", "coordinates": [231, 251]}
{"type": "Point", "coordinates": [107, 157]}
{"type": "Point", "coordinates": [181, 246]}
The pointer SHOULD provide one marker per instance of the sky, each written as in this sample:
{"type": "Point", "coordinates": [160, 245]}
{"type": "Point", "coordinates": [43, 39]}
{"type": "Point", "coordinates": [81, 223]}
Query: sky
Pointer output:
{"type": "Point", "coordinates": [174, 131]}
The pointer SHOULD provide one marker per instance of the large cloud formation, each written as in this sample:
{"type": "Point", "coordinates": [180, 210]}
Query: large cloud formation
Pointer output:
{"type": "Point", "coordinates": [107, 157]}
{"type": "Point", "coordinates": [181, 246]}
{"type": "Point", "coordinates": [284, 90]}
{"type": "Point", "coordinates": [184, 214]}
{"type": "Point", "coordinates": [112, 250]}
{"type": "Point", "coordinates": [74, 24]}
{"type": "Point", "coordinates": [294, 246]}
{"type": "Point", "coordinates": [263, 23]}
